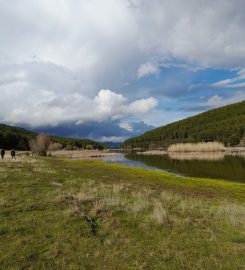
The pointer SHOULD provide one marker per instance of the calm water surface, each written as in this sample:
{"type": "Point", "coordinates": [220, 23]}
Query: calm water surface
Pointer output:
{"type": "Point", "coordinates": [230, 168]}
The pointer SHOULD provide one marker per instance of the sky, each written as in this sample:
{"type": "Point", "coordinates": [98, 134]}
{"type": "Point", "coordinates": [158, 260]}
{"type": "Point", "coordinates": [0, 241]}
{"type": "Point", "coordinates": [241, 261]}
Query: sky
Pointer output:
{"type": "Point", "coordinates": [112, 69]}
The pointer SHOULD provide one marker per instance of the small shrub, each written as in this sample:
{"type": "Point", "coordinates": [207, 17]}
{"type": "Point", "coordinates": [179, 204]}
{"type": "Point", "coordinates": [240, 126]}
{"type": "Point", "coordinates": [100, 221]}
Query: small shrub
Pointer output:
{"type": "Point", "coordinates": [55, 147]}
{"type": "Point", "coordinates": [94, 223]}
{"type": "Point", "coordinates": [89, 147]}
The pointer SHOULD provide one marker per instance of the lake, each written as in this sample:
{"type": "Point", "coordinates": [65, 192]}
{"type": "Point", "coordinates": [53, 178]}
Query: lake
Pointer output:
{"type": "Point", "coordinates": [217, 166]}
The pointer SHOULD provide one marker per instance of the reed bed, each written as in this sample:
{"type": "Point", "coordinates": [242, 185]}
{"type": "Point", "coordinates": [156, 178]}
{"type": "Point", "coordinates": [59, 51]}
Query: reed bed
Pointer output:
{"type": "Point", "coordinates": [197, 147]}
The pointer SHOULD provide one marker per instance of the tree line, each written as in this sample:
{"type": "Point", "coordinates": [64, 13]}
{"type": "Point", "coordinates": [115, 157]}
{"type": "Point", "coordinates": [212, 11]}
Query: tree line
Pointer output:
{"type": "Point", "coordinates": [19, 139]}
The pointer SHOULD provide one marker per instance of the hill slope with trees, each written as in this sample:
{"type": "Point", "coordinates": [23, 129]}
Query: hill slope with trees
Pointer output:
{"type": "Point", "coordinates": [225, 124]}
{"type": "Point", "coordinates": [19, 138]}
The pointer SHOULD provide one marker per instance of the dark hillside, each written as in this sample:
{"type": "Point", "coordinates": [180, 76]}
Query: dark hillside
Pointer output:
{"type": "Point", "coordinates": [225, 124]}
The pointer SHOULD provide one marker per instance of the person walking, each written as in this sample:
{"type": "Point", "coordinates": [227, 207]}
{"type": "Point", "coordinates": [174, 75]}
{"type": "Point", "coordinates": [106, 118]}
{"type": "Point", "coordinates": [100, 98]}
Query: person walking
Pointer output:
{"type": "Point", "coordinates": [2, 152]}
{"type": "Point", "coordinates": [12, 153]}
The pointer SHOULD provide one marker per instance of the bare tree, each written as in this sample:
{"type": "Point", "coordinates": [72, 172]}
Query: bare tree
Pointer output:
{"type": "Point", "coordinates": [40, 145]}
{"type": "Point", "coordinates": [32, 145]}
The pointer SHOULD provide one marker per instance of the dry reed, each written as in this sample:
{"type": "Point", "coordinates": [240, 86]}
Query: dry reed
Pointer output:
{"type": "Point", "coordinates": [197, 147]}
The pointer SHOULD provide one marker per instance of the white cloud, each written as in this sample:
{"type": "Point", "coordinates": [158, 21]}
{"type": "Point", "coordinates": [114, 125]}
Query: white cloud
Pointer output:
{"type": "Point", "coordinates": [56, 55]}
{"type": "Point", "coordinates": [21, 106]}
{"type": "Point", "coordinates": [236, 82]}
{"type": "Point", "coordinates": [218, 101]}
{"type": "Point", "coordinates": [142, 105]}
{"type": "Point", "coordinates": [214, 101]}
{"type": "Point", "coordinates": [147, 69]}
{"type": "Point", "coordinates": [162, 117]}
{"type": "Point", "coordinates": [81, 36]}
{"type": "Point", "coordinates": [126, 126]}
{"type": "Point", "coordinates": [208, 33]}
{"type": "Point", "coordinates": [115, 139]}
{"type": "Point", "coordinates": [98, 37]}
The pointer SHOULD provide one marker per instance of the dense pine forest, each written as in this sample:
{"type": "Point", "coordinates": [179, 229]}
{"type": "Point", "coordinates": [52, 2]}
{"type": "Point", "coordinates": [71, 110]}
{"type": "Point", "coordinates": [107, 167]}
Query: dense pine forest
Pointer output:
{"type": "Point", "coordinates": [18, 138]}
{"type": "Point", "coordinates": [225, 124]}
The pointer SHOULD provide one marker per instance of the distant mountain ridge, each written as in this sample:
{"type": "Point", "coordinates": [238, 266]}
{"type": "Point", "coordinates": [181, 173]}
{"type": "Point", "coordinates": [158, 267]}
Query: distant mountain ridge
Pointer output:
{"type": "Point", "coordinates": [18, 138]}
{"type": "Point", "coordinates": [113, 144]}
{"type": "Point", "coordinates": [225, 124]}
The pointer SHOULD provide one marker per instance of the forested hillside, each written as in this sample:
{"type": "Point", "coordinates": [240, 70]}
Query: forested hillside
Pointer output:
{"type": "Point", "coordinates": [18, 138]}
{"type": "Point", "coordinates": [225, 124]}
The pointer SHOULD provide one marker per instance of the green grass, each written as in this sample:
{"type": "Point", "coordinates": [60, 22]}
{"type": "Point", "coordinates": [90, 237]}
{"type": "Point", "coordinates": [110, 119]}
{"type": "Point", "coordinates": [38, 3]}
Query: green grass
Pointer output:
{"type": "Point", "coordinates": [66, 214]}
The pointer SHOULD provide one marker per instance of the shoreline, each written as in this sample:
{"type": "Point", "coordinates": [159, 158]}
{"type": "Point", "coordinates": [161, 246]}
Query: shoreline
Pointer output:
{"type": "Point", "coordinates": [227, 151]}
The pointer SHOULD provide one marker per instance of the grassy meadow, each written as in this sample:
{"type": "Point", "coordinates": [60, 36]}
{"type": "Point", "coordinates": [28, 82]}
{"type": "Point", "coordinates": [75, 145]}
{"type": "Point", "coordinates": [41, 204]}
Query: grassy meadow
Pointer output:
{"type": "Point", "coordinates": [57, 213]}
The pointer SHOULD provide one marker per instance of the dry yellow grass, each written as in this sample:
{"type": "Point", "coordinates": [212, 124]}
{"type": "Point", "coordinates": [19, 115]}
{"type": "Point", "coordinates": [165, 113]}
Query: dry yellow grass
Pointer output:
{"type": "Point", "coordinates": [197, 147]}
{"type": "Point", "coordinates": [106, 198]}
{"type": "Point", "coordinates": [160, 215]}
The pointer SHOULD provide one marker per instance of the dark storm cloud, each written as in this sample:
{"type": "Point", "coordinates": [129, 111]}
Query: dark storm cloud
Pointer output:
{"type": "Point", "coordinates": [104, 131]}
